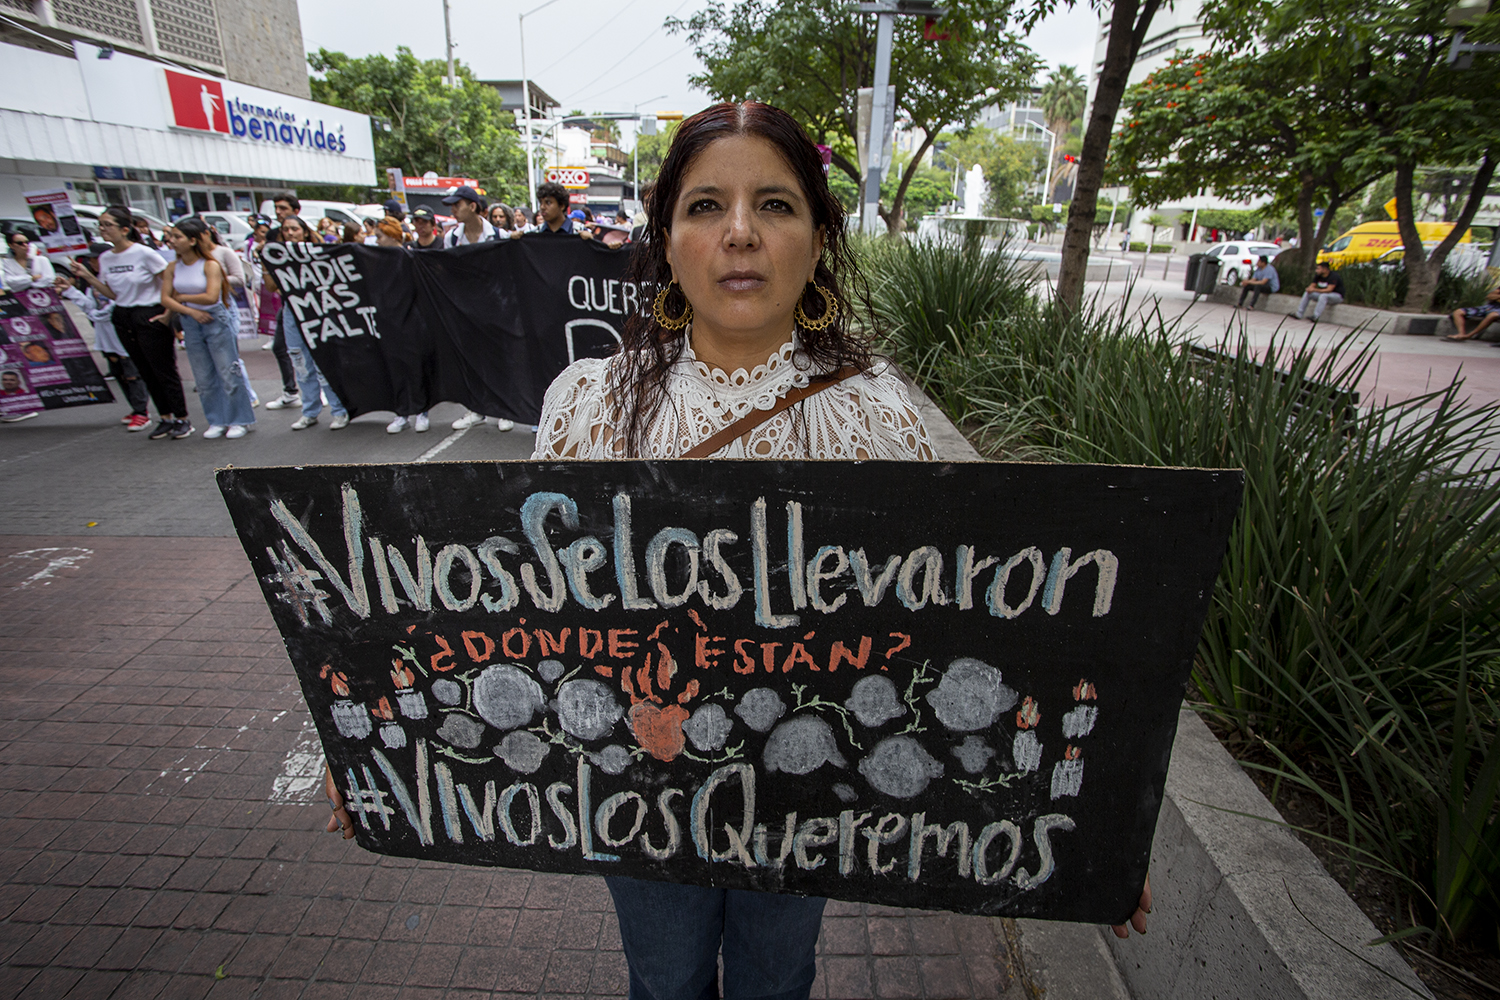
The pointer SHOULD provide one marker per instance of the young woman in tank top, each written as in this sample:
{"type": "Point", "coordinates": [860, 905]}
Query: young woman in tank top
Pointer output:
{"type": "Point", "coordinates": [197, 289]}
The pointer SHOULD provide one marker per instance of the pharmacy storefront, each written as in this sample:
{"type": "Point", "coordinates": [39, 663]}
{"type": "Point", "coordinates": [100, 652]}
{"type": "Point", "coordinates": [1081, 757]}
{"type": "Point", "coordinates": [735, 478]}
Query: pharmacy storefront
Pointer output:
{"type": "Point", "coordinates": [118, 129]}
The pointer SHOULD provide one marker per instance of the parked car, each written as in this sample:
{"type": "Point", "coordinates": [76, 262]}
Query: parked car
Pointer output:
{"type": "Point", "coordinates": [339, 211]}
{"type": "Point", "coordinates": [1237, 259]}
{"type": "Point", "coordinates": [233, 226]}
{"type": "Point", "coordinates": [29, 227]}
{"type": "Point", "coordinates": [89, 216]}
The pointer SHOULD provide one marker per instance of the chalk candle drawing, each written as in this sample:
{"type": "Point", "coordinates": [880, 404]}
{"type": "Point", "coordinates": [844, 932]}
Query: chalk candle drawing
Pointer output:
{"type": "Point", "coordinates": [498, 735]}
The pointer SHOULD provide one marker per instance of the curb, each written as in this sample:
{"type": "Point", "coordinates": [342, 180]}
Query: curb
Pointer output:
{"type": "Point", "coordinates": [1345, 314]}
{"type": "Point", "coordinates": [1241, 907]}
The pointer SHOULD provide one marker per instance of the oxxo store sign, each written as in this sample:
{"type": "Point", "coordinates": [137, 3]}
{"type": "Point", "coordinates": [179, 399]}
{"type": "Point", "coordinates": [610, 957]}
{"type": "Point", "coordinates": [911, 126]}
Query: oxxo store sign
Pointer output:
{"type": "Point", "coordinates": [575, 179]}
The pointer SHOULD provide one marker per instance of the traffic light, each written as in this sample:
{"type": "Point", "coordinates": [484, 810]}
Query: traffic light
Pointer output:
{"type": "Point", "coordinates": [669, 116]}
{"type": "Point", "coordinates": [1069, 158]}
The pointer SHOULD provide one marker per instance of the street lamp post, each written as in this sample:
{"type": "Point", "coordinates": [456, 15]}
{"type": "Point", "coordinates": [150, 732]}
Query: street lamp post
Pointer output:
{"type": "Point", "coordinates": [526, 104]}
{"type": "Point", "coordinates": [448, 38]}
{"type": "Point", "coordinates": [1047, 170]}
{"type": "Point", "coordinates": [886, 12]}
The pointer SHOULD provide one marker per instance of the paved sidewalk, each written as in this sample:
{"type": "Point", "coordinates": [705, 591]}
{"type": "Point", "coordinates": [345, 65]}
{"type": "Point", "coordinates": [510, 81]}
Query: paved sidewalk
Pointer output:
{"type": "Point", "coordinates": [160, 789]}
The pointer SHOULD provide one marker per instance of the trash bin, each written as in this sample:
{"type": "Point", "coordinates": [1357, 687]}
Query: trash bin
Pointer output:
{"type": "Point", "coordinates": [1195, 261]}
{"type": "Point", "coordinates": [1208, 275]}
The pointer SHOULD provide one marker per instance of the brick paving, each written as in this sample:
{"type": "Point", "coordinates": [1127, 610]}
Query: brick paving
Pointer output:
{"type": "Point", "coordinates": [158, 815]}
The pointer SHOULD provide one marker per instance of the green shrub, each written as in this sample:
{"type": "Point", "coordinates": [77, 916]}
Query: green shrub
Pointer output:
{"type": "Point", "coordinates": [1355, 627]}
{"type": "Point", "coordinates": [1140, 246]}
{"type": "Point", "coordinates": [1384, 286]}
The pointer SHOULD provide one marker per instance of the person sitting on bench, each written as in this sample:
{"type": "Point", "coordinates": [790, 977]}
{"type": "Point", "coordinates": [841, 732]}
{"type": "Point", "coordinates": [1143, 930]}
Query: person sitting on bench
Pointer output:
{"type": "Point", "coordinates": [1265, 281]}
{"type": "Point", "coordinates": [1482, 316]}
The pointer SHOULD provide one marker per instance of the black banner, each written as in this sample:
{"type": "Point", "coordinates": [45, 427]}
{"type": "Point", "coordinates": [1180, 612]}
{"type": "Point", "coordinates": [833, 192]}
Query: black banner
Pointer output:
{"type": "Point", "coordinates": [950, 686]}
{"type": "Point", "coordinates": [489, 326]}
{"type": "Point", "coordinates": [44, 363]}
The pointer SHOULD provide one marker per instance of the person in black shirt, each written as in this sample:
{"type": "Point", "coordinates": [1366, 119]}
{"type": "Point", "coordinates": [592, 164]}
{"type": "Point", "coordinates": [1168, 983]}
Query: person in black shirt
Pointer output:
{"type": "Point", "coordinates": [1327, 287]}
{"type": "Point", "coordinates": [425, 223]}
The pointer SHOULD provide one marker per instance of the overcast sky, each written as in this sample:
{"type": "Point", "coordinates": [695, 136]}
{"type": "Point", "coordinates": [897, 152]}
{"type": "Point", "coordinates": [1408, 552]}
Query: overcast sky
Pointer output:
{"type": "Point", "coordinates": [598, 55]}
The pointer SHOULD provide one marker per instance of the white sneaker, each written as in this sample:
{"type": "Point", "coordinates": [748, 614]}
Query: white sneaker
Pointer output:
{"type": "Point", "coordinates": [303, 423]}
{"type": "Point", "coordinates": [215, 431]}
{"type": "Point", "coordinates": [339, 422]}
{"type": "Point", "coordinates": [505, 425]}
{"type": "Point", "coordinates": [396, 426]}
{"type": "Point", "coordinates": [268, 345]}
{"type": "Point", "coordinates": [285, 401]}
{"type": "Point", "coordinates": [469, 419]}
{"type": "Point", "coordinates": [235, 431]}
{"type": "Point", "coordinates": [420, 423]}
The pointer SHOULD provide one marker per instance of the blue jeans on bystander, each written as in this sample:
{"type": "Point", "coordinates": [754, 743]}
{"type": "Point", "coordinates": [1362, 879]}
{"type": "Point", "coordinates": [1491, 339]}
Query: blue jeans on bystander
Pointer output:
{"type": "Point", "coordinates": [672, 935]}
{"type": "Point", "coordinates": [214, 354]}
{"type": "Point", "coordinates": [311, 383]}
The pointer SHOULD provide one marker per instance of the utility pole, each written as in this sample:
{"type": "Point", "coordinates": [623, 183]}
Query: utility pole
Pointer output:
{"type": "Point", "coordinates": [526, 104]}
{"type": "Point", "coordinates": [886, 12]}
{"type": "Point", "coordinates": [448, 36]}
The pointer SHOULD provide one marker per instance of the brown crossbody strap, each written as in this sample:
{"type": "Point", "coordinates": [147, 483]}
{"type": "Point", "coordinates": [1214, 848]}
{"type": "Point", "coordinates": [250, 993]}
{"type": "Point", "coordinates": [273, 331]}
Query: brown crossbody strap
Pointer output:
{"type": "Point", "coordinates": [755, 418]}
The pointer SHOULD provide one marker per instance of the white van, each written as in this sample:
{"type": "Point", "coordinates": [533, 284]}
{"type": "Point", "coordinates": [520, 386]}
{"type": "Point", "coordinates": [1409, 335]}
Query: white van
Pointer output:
{"type": "Point", "coordinates": [339, 211]}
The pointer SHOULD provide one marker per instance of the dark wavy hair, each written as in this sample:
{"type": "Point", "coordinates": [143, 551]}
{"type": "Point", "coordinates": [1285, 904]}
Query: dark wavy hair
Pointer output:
{"type": "Point", "coordinates": [647, 351]}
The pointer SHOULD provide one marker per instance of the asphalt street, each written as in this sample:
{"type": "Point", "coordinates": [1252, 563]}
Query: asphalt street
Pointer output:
{"type": "Point", "coordinates": [69, 469]}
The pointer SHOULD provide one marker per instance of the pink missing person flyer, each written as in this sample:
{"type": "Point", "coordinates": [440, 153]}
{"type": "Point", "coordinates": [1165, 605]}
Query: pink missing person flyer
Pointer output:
{"type": "Point", "coordinates": [16, 394]}
{"type": "Point", "coordinates": [62, 233]}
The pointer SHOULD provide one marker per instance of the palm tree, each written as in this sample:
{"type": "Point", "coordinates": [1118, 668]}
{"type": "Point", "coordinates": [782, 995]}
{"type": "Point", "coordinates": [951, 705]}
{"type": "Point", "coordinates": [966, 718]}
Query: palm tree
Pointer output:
{"type": "Point", "coordinates": [1062, 101]}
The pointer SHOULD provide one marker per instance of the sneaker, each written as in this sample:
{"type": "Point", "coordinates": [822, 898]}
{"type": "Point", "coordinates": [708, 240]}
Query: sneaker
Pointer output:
{"type": "Point", "coordinates": [268, 345]}
{"type": "Point", "coordinates": [214, 431]}
{"type": "Point", "coordinates": [396, 426]}
{"type": "Point", "coordinates": [420, 423]}
{"type": "Point", "coordinates": [18, 417]}
{"type": "Point", "coordinates": [339, 422]}
{"type": "Point", "coordinates": [505, 425]}
{"type": "Point", "coordinates": [137, 422]}
{"type": "Point", "coordinates": [162, 429]}
{"type": "Point", "coordinates": [235, 431]}
{"type": "Point", "coordinates": [285, 401]}
{"type": "Point", "coordinates": [181, 429]}
{"type": "Point", "coordinates": [126, 418]}
{"type": "Point", "coordinates": [469, 419]}
{"type": "Point", "coordinates": [303, 423]}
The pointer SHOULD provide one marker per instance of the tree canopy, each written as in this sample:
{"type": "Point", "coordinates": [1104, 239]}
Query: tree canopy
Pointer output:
{"type": "Point", "coordinates": [810, 57]}
{"type": "Point", "coordinates": [455, 131]}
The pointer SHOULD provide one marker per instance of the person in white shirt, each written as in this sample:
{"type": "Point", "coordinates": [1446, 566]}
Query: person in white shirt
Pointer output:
{"type": "Point", "coordinates": [472, 226]}
{"type": "Point", "coordinates": [130, 274]}
{"type": "Point", "coordinates": [100, 312]}
{"type": "Point", "coordinates": [24, 268]}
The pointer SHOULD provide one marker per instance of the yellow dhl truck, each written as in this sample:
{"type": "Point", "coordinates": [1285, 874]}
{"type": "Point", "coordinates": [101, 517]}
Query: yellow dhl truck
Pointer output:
{"type": "Point", "coordinates": [1369, 240]}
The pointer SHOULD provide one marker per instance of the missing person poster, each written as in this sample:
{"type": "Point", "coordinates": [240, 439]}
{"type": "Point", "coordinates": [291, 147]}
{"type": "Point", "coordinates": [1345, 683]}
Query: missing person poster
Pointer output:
{"type": "Point", "coordinates": [62, 233]}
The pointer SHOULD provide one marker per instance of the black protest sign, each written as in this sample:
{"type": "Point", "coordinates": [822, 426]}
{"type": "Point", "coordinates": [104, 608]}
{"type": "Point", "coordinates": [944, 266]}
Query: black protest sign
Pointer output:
{"type": "Point", "coordinates": [489, 326]}
{"type": "Point", "coordinates": [917, 684]}
{"type": "Point", "coordinates": [44, 363]}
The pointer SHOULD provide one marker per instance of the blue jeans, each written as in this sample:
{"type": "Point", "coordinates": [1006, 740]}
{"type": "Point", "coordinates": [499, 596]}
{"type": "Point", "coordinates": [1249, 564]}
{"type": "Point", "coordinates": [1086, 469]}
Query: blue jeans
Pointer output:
{"type": "Point", "coordinates": [311, 383]}
{"type": "Point", "coordinates": [672, 936]}
{"type": "Point", "coordinates": [214, 353]}
{"type": "Point", "coordinates": [1325, 299]}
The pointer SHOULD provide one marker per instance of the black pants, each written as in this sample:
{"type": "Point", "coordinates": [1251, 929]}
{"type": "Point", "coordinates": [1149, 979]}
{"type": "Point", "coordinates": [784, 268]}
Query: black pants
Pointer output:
{"type": "Point", "coordinates": [1255, 292]}
{"type": "Point", "coordinates": [125, 373]}
{"type": "Point", "coordinates": [154, 350]}
{"type": "Point", "coordinates": [284, 361]}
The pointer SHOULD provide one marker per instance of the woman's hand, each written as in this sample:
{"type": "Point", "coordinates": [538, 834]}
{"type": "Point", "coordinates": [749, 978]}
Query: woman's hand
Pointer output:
{"type": "Point", "coordinates": [1137, 920]}
{"type": "Point", "coordinates": [164, 318]}
{"type": "Point", "coordinates": [340, 820]}
{"type": "Point", "coordinates": [200, 316]}
{"type": "Point", "coordinates": [61, 284]}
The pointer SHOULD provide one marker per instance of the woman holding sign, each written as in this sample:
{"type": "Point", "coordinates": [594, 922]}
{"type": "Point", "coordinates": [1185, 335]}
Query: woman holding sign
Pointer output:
{"type": "Point", "coordinates": [747, 352]}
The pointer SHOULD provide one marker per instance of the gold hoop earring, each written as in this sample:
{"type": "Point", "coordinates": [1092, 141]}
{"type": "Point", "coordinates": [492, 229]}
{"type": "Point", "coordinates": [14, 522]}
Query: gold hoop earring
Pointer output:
{"type": "Point", "coordinates": [823, 322]}
{"type": "Point", "coordinates": [659, 310]}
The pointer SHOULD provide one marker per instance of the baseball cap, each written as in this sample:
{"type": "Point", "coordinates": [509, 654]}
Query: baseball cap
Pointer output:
{"type": "Point", "coordinates": [95, 249]}
{"type": "Point", "coordinates": [394, 207]}
{"type": "Point", "coordinates": [577, 213]}
{"type": "Point", "coordinates": [464, 193]}
{"type": "Point", "coordinates": [423, 213]}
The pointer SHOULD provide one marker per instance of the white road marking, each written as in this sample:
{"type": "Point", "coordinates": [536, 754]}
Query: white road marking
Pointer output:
{"type": "Point", "coordinates": [301, 777]}
{"type": "Point", "coordinates": [437, 449]}
{"type": "Point", "coordinates": [66, 557]}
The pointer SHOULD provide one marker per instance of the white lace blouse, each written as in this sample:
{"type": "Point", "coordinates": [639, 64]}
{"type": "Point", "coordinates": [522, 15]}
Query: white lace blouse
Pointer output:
{"type": "Point", "coordinates": [860, 418]}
